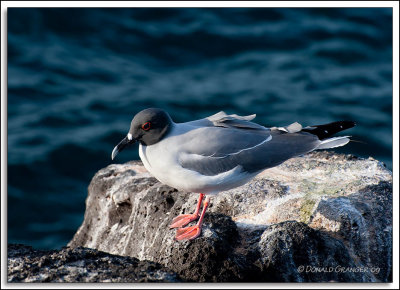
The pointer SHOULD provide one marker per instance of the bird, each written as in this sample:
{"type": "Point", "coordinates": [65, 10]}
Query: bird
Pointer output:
{"type": "Point", "coordinates": [218, 153]}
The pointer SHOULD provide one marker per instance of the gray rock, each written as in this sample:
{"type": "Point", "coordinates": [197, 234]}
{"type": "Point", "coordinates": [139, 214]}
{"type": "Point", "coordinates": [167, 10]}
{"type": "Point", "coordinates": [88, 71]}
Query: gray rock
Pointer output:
{"type": "Point", "coordinates": [80, 265]}
{"type": "Point", "coordinates": [339, 208]}
{"type": "Point", "coordinates": [292, 251]}
{"type": "Point", "coordinates": [363, 221]}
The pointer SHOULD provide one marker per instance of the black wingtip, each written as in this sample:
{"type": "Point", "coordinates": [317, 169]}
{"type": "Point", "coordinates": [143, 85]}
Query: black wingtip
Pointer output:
{"type": "Point", "coordinates": [347, 124]}
{"type": "Point", "coordinates": [327, 130]}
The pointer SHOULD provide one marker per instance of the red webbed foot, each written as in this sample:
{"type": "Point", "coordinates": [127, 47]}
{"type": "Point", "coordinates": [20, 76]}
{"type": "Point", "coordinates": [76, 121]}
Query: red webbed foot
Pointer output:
{"type": "Point", "coordinates": [188, 233]}
{"type": "Point", "coordinates": [183, 220]}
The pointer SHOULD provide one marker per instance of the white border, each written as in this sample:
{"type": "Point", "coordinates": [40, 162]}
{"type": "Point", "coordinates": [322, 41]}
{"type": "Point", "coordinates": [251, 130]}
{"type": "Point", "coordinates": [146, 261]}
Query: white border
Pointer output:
{"type": "Point", "coordinates": [393, 4]}
{"type": "Point", "coordinates": [199, 3]}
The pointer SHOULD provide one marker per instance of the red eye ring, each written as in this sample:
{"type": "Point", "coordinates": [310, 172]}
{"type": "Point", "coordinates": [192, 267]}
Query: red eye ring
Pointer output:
{"type": "Point", "coordinates": [146, 126]}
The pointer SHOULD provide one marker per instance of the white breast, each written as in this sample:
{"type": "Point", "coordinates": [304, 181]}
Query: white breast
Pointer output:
{"type": "Point", "coordinates": [161, 160]}
{"type": "Point", "coordinates": [157, 160]}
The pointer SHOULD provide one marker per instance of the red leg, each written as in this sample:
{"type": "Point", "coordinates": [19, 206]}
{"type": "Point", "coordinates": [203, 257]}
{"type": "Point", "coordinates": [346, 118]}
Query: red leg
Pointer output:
{"type": "Point", "coordinates": [184, 219]}
{"type": "Point", "coordinates": [190, 233]}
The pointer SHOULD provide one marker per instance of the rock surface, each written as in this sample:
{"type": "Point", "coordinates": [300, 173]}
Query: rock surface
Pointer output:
{"type": "Point", "coordinates": [317, 218]}
{"type": "Point", "coordinates": [80, 265]}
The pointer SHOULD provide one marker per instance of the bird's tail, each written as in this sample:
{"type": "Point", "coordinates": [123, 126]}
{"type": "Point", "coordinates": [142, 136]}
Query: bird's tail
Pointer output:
{"type": "Point", "coordinates": [334, 142]}
{"type": "Point", "coordinates": [323, 132]}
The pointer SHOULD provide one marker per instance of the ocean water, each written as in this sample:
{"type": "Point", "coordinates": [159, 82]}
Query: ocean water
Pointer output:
{"type": "Point", "coordinates": [76, 77]}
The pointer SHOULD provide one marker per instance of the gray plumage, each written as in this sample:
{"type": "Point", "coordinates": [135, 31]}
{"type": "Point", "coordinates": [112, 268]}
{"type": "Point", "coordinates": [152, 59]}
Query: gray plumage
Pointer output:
{"type": "Point", "coordinates": [252, 149]}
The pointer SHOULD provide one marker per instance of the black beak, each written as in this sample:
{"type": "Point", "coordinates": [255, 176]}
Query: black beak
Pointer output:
{"type": "Point", "coordinates": [121, 145]}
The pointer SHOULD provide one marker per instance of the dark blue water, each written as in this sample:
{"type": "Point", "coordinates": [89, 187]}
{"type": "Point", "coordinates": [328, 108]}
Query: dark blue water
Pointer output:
{"type": "Point", "coordinates": [76, 77]}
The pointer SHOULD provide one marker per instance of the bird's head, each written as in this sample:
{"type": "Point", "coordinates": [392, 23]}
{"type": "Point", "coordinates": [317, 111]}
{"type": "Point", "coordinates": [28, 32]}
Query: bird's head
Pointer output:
{"type": "Point", "coordinates": [147, 127]}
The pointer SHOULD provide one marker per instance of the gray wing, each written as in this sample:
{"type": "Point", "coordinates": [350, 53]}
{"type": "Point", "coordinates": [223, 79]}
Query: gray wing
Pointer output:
{"type": "Point", "coordinates": [214, 150]}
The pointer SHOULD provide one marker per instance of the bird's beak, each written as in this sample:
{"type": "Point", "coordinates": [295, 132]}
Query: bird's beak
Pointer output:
{"type": "Point", "coordinates": [121, 145]}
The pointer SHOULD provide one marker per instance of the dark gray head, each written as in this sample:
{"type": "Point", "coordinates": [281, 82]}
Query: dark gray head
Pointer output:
{"type": "Point", "coordinates": [148, 127]}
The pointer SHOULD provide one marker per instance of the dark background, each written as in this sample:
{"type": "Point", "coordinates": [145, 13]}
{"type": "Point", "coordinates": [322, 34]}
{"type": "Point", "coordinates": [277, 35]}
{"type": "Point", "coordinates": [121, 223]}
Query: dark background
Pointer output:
{"type": "Point", "coordinates": [76, 77]}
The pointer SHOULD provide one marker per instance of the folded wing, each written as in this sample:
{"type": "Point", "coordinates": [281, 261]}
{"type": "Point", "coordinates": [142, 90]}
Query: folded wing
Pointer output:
{"type": "Point", "coordinates": [229, 141]}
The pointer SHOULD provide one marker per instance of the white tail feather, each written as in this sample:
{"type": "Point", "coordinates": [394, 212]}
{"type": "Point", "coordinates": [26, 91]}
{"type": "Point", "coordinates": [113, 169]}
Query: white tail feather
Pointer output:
{"type": "Point", "coordinates": [334, 142]}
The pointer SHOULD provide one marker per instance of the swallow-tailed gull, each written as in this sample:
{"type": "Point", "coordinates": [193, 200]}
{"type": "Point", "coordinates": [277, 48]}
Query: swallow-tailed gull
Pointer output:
{"type": "Point", "coordinates": [218, 153]}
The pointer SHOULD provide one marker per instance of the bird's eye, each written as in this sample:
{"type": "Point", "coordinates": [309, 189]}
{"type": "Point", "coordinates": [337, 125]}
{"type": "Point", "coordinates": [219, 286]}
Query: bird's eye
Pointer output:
{"type": "Point", "coordinates": [146, 126]}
